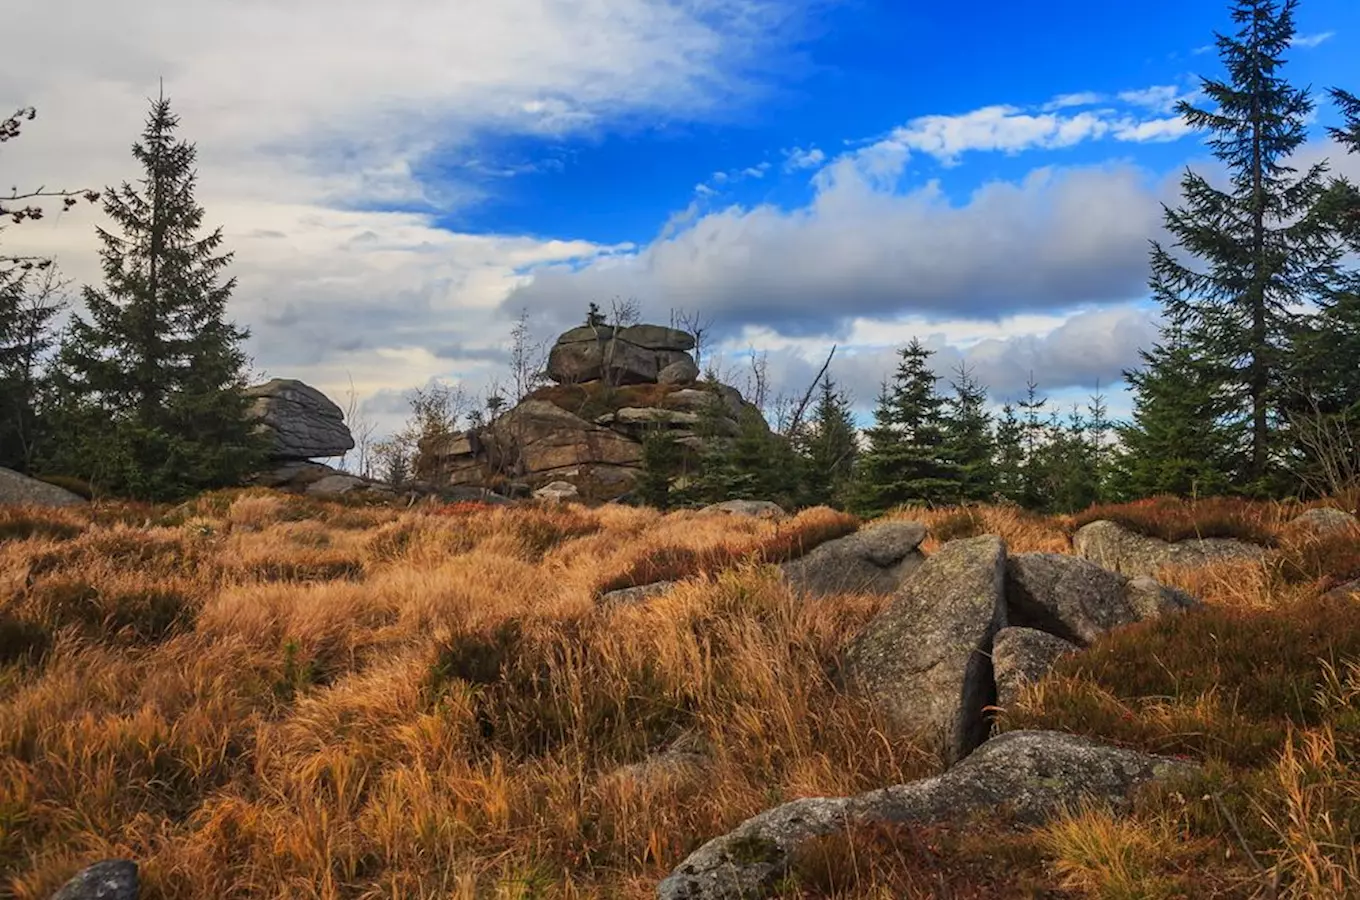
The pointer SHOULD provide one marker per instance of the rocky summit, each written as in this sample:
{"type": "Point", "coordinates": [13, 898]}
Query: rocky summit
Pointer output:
{"type": "Point", "coordinates": [611, 387]}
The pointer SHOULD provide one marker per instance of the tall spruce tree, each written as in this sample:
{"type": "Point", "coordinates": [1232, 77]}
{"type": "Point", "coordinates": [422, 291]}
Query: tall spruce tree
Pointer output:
{"type": "Point", "coordinates": [1263, 244]}
{"type": "Point", "coordinates": [151, 380]}
{"type": "Point", "coordinates": [968, 440]}
{"type": "Point", "coordinates": [905, 462]}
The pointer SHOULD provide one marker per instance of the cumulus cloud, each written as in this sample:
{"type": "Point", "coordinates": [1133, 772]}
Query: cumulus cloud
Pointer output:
{"type": "Point", "coordinates": [861, 248]}
{"type": "Point", "coordinates": [313, 114]}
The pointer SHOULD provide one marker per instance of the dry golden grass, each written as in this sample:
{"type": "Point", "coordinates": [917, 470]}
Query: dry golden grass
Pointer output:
{"type": "Point", "coordinates": [262, 696]}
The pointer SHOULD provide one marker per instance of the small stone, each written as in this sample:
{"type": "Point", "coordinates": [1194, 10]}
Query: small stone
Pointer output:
{"type": "Point", "coordinates": [111, 879]}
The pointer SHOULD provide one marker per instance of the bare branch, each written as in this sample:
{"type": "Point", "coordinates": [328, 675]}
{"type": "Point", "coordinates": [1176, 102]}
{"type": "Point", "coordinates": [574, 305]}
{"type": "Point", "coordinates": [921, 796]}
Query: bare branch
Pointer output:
{"type": "Point", "coordinates": [801, 409]}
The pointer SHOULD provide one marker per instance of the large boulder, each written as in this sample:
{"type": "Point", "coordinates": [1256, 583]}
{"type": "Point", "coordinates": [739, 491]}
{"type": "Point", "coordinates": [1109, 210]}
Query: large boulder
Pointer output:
{"type": "Point", "coordinates": [1022, 777]}
{"type": "Point", "coordinates": [112, 879]}
{"type": "Point", "coordinates": [20, 490]}
{"type": "Point", "coordinates": [876, 560]}
{"type": "Point", "coordinates": [633, 355]}
{"type": "Point", "coordinates": [300, 421]}
{"type": "Point", "coordinates": [926, 658]}
{"type": "Point", "coordinates": [1115, 547]}
{"type": "Point", "coordinates": [1076, 599]}
{"type": "Point", "coordinates": [1021, 656]}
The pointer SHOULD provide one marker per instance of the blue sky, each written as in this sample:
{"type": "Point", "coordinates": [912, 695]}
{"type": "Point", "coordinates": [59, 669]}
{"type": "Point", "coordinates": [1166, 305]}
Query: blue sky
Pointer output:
{"type": "Point", "coordinates": [399, 180]}
{"type": "Point", "coordinates": [867, 67]}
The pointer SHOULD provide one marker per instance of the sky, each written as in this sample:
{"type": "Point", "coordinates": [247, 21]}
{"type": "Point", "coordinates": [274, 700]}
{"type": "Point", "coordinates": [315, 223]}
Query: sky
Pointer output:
{"type": "Point", "coordinates": [399, 181]}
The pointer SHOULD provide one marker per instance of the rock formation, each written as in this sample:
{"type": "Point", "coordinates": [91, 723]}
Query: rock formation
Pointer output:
{"type": "Point", "coordinates": [301, 422]}
{"type": "Point", "coordinates": [968, 628]}
{"type": "Point", "coordinates": [926, 658]}
{"type": "Point", "coordinates": [612, 386]}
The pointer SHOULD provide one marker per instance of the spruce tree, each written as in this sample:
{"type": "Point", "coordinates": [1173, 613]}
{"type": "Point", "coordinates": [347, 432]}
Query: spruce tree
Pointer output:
{"type": "Point", "coordinates": [1034, 434]}
{"type": "Point", "coordinates": [29, 299]}
{"type": "Point", "coordinates": [1324, 395]}
{"type": "Point", "coordinates": [1262, 243]}
{"type": "Point", "coordinates": [151, 378]}
{"type": "Point", "coordinates": [968, 440]}
{"type": "Point", "coordinates": [905, 462]}
{"type": "Point", "coordinates": [1010, 454]}
{"type": "Point", "coordinates": [828, 445]}
{"type": "Point", "coordinates": [1176, 442]}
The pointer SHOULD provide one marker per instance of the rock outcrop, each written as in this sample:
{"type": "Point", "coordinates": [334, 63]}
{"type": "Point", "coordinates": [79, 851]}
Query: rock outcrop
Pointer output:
{"type": "Point", "coordinates": [613, 387]}
{"type": "Point", "coordinates": [1115, 547]}
{"type": "Point", "coordinates": [930, 659]}
{"type": "Point", "coordinates": [20, 490]}
{"type": "Point", "coordinates": [876, 560]}
{"type": "Point", "coordinates": [1022, 777]}
{"type": "Point", "coordinates": [301, 422]}
{"type": "Point", "coordinates": [637, 354]}
{"type": "Point", "coordinates": [927, 658]}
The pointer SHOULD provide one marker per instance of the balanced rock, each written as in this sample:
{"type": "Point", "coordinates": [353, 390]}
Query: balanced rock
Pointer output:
{"type": "Point", "coordinates": [112, 879]}
{"type": "Point", "coordinates": [1021, 777]}
{"type": "Point", "coordinates": [927, 658]}
{"type": "Point", "coordinates": [1115, 547]}
{"type": "Point", "coordinates": [20, 490]}
{"type": "Point", "coordinates": [300, 421]}
{"type": "Point", "coordinates": [876, 560]}
{"type": "Point", "coordinates": [1021, 656]}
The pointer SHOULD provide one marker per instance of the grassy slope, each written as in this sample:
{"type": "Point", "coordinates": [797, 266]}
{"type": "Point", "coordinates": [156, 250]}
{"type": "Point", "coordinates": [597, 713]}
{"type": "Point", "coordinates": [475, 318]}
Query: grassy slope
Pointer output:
{"type": "Point", "coordinates": [265, 697]}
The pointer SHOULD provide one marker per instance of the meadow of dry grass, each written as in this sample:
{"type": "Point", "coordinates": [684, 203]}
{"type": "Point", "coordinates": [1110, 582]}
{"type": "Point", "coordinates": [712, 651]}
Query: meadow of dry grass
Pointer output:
{"type": "Point", "coordinates": [260, 696]}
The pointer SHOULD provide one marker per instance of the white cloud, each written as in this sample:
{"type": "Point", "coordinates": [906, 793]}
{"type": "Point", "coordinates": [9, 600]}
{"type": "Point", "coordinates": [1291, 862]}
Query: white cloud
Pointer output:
{"type": "Point", "coordinates": [1009, 129]}
{"type": "Point", "coordinates": [1067, 101]}
{"type": "Point", "coordinates": [797, 158]}
{"type": "Point", "coordinates": [1159, 98]}
{"type": "Point", "coordinates": [1308, 41]}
